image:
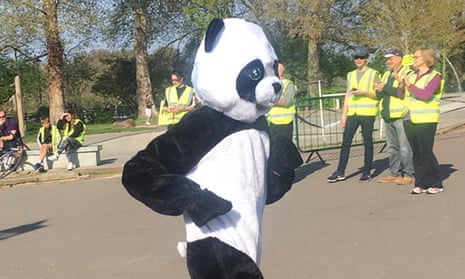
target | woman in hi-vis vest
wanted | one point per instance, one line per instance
(179, 100)
(424, 89)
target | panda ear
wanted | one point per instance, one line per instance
(214, 30)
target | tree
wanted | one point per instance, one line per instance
(36, 29)
(401, 24)
(307, 20)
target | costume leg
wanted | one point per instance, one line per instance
(210, 258)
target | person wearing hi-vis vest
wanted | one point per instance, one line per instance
(360, 109)
(179, 100)
(73, 131)
(393, 109)
(48, 139)
(281, 116)
(424, 89)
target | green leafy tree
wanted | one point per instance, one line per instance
(43, 28)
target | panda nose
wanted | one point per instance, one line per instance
(276, 87)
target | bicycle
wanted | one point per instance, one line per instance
(10, 160)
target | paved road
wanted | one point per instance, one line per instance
(93, 229)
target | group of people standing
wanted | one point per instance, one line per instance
(408, 100)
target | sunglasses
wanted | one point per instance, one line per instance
(2, 116)
(175, 80)
(359, 57)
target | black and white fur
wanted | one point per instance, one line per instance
(218, 166)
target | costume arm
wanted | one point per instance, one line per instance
(156, 175)
(284, 159)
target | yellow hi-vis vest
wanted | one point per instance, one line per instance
(397, 106)
(54, 133)
(171, 95)
(279, 115)
(424, 111)
(68, 130)
(362, 105)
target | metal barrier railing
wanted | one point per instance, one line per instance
(317, 125)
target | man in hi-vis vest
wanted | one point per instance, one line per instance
(281, 116)
(393, 110)
(179, 99)
(360, 109)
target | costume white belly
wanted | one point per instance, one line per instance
(235, 169)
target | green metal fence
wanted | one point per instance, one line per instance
(317, 125)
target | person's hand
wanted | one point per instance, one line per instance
(406, 81)
(357, 92)
(343, 121)
(379, 85)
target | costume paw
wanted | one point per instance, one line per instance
(207, 206)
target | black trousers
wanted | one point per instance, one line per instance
(421, 139)
(352, 124)
(285, 130)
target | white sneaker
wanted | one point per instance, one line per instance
(54, 157)
(70, 166)
(147, 123)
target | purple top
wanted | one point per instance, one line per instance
(419, 93)
(425, 94)
(11, 125)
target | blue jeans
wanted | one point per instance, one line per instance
(352, 124)
(400, 152)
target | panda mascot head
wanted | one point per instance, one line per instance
(235, 70)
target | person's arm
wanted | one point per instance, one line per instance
(39, 139)
(77, 130)
(61, 124)
(427, 93)
(345, 108)
(287, 98)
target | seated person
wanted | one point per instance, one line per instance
(73, 130)
(9, 133)
(48, 139)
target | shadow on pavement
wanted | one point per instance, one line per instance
(303, 171)
(11, 232)
(446, 170)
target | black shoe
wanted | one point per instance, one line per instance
(37, 166)
(365, 177)
(335, 177)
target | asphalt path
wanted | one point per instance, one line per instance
(94, 229)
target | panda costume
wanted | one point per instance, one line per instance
(218, 166)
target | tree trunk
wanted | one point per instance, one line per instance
(144, 85)
(313, 66)
(55, 64)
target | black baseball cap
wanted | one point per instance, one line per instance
(393, 52)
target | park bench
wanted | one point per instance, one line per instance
(86, 156)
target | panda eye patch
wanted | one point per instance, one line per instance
(248, 78)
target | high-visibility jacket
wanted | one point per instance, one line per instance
(281, 115)
(424, 111)
(362, 105)
(54, 133)
(171, 96)
(68, 130)
(397, 106)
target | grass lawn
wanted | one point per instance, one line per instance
(32, 128)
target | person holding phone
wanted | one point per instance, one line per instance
(360, 109)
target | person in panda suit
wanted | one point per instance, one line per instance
(218, 167)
